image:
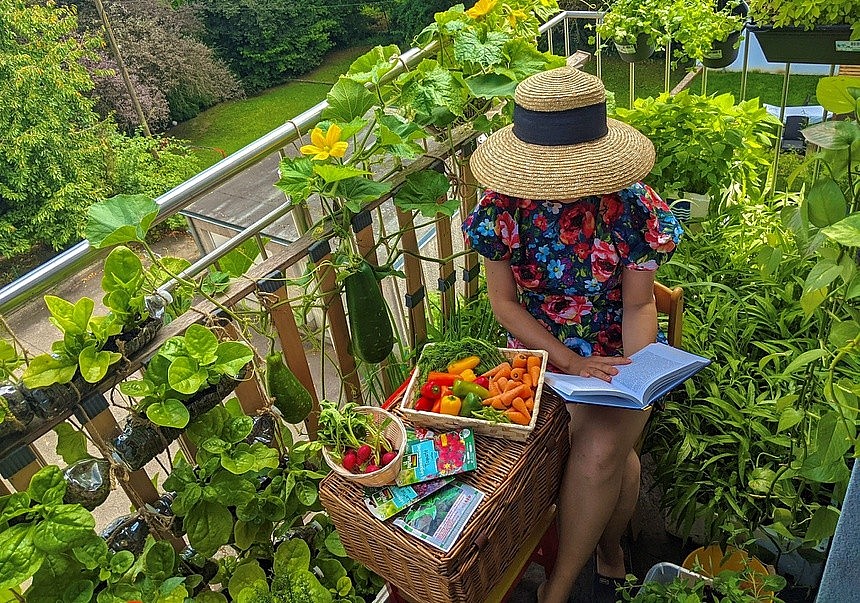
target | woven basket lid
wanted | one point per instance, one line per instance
(612, 162)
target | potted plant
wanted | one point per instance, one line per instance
(15, 413)
(807, 31)
(705, 144)
(636, 27)
(709, 31)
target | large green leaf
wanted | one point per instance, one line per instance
(834, 93)
(63, 315)
(237, 262)
(47, 486)
(169, 413)
(186, 376)
(825, 202)
(823, 524)
(845, 232)
(45, 370)
(426, 191)
(209, 526)
(71, 443)
(159, 561)
(431, 88)
(291, 556)
(491, 85)
(348, 100)
(246, 575)
(122, 270)
(335, 173)
(62, 527)
(358, 191)
(19, 557)
(95, 364)
(230, 357)
(485, 49)
(373, 65)
(120, 219)
(229, 489)
(296, 178)
(821, 275)
(201, 344)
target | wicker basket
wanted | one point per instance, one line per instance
(520, 482)
(396, 434)
(440, 422)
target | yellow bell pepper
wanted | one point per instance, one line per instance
(458, 366)
(450, 405)
(468, 375)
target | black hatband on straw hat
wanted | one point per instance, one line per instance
(559, 128)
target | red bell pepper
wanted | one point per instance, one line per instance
(431, 390)
(425, 404)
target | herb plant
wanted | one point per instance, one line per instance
(627, 19)
(805, 14)
(705, 144)
(697, 24)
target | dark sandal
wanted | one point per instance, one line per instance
(605, 588)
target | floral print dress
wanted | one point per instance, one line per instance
(568, 259)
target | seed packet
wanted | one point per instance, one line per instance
(438, 456)
(440, 519)
(388, 501)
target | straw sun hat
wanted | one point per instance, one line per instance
(561, 144)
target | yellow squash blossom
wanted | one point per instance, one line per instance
(481, 8)
(515, 16)
(324, 146)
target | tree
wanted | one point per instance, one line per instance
(52, 142)
(409, 17)
(267, 43)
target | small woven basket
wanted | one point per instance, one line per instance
(396, 434)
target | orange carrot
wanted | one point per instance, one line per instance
(518, 373)
(534, 361)
(518, 417)
(494, 388)
(502, 382)
(501, 370)
(520, 361)
(511, 385)
(530, 403)
(497, 403)
(520, 405)
(534, 373)
(527, 380)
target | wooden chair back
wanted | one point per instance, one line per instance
(671, 303)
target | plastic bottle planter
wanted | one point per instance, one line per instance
(129, 532)
(141, 440)
(633, 53)
(18, 412)
(52, 401)
(826, 44)
(87, 482)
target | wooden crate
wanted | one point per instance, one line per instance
(440, 422)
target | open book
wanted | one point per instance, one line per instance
(655, 369)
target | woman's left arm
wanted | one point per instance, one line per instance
(639, 320)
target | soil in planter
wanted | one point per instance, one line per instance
(87, 483)
(129, 344)
(18, 412)
(141, 440)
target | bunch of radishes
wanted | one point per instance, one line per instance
(354, 439)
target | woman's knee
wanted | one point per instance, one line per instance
(599, 460)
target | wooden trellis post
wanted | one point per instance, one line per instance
(468, 200)
(414, 279)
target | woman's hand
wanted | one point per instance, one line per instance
(602, 367)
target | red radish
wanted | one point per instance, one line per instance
(371, 468)
(363, 453)
(350, 460)
(388, 457)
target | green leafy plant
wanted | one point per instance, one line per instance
(123, 283)
(705, 144)
(697, 24)
(803, 13)
(182, 367)
(626, 20)
(726, 587)
(84, 336)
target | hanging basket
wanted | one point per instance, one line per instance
(633, 53)
(723, 53)
(18, 412)
(824, 45)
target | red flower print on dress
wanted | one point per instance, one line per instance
(582, 250)
(609, 340)
(611, 209)
(604, 260)
(659, 241)
(527, 275)
(566, 310)
(509, 231)
(653, 200)
(540, 222)
(578, 219)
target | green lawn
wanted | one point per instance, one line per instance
(229, 126)
(649, 82)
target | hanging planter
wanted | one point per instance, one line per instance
(825, 44)
(636, 52)
(723, 53)
(18, 413)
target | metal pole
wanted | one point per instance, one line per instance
(747, 42)
(599, 54)
(783, 101)
(632, 74)
(549, 40)
(704, 80)
(566, 37)
(667, 76)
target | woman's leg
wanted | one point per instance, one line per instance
(610, 555)
(601, 440)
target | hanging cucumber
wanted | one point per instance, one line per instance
(369, 325)
(290, 396)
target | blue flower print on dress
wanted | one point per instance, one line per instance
(568, 259)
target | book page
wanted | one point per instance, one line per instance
(655, 366)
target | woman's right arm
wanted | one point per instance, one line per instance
(502, 291)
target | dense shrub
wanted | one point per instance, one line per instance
(266, 45)
(409, 17)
